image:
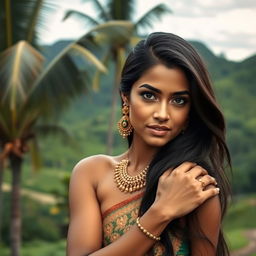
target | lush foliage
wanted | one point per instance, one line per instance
(39, 221)
(32, 92)
(40, 248)
(234, 83)
(240, 217)
(236, 239)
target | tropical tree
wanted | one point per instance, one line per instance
(1, 194)
(115, 52)
(32, 95)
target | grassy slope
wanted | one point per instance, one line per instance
(240, 217)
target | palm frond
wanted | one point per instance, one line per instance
(21, 128)
(114, 32)
(36, 160)
(27, 118)
(81, 16)
(121, 10)
(90, 57)
(97, 75)
(40, 17)
(4, 129)
(54, 89)
(19, 67)
(121, 57)
(152, 15)
(8, 22)
(45, 130)
(62, 80)
(24, 20)
(3, 26)
(64, 77)
(34, 20)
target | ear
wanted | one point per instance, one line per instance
(125, 99)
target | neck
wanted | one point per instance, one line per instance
(140, 155)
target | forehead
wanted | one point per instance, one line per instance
(164, 78)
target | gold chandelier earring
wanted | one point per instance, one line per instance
(124, 125)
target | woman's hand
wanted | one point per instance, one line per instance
(183, 189)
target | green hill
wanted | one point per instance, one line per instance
(235, 87)
(219, 66)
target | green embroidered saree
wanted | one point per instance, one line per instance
(119, 218)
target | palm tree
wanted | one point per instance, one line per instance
(117, 10)
(1, 194)
(31, 94)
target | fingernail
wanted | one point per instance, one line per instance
(218, 190)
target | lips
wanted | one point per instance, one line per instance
(158, 130)
(159, 127)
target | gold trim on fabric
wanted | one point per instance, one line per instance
(118, 219)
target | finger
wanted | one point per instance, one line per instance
(210, 192)
(197, 171)
(166, 174)
(185, 167)
(207, 180)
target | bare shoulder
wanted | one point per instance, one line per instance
(93, 167)
(90, 162)
(85, 178)
(85, 228)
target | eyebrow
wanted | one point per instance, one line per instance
(150, 87)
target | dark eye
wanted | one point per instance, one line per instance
(179, 101)
(148, 96)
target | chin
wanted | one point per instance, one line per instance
(157, 142)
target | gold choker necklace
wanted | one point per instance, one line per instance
(127, 183)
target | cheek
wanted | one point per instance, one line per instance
(139, 112)
(181, 118)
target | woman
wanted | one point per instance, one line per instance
(160, 197)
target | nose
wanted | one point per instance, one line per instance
(161, 113)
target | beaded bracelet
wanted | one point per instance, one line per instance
(148, 234)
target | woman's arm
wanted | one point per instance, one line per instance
(178, 193)
(85, 229)
(209, 219)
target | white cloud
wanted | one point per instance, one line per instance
(224, 25)
(70, 28)
(191, 8)
(231, 31)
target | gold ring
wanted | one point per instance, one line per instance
(203, 184)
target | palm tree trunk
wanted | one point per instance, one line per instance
(15, 228)
(110, 135)
(1, 195)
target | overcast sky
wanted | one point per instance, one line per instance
(225, 26)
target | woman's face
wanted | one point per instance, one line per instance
(159, 105)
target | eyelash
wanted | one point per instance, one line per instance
(184, 99)
(147, 93)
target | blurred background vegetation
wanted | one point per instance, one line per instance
(71, 73)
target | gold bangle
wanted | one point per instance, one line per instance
(148, 234)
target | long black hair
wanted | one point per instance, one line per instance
(204, 139)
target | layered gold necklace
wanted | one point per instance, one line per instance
(127, 183)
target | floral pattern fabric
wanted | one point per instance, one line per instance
(121, 217)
